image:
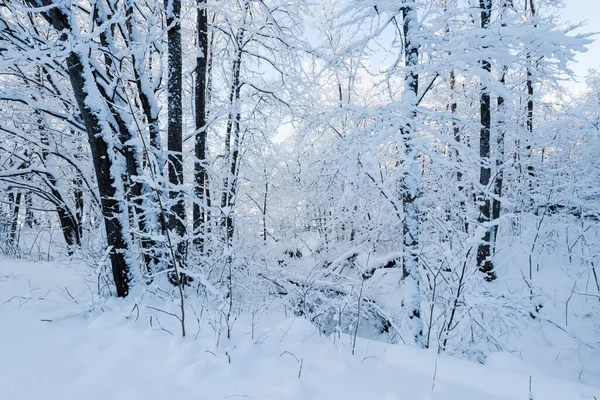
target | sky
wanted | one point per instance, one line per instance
(577, 11)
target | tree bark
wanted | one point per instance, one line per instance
(177, 217)
(264, 208)
(29, 215)
(410, 186)
(499, 177)
(113, 211)
(484, 262)
(530, 109)
(68, 222)
(457, 139)
(200, 209)
(14, 224)
(232, 138)
(139, 193)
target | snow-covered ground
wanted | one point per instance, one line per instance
(57, 341)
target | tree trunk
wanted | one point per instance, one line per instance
(14, 224)
(498, 180)
(232, 138)
(499, 177)
(200, 209)
(484, 261)
(177, 215)
(68, 222)
(457, 139)
(84, 87)
(79, 205)
(530, 108)
(264, 208)
(140, 193)
(410, 187)
(29, 216)
(144, 89)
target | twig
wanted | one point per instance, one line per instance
(588, 294)
(163, 311)
(357, 315)
(71, 296)
(530, 392)
(67, 317)
(572, 335)
(300, 361)
(135, 307)
(286, 332)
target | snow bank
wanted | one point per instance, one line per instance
(57, 342)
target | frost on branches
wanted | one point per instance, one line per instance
(405, 171)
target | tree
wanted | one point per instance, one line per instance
(410, 178)
(92, 105)
(202, 200)
(177, 216)
(500, 144)
(484, 254)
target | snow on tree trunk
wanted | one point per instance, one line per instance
(410, 187)
(232, 135)
(530, 108)
(15, 212)
(200, 209)
(177, 216)
(100, 140)
(484, 261)
(499, 176)
(500, 134)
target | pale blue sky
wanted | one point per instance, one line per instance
(582, 10)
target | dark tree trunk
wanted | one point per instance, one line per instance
(176, 222)
(78, 198)
(79, 205)
(264, 208)
(69, 225)
(14, 224)
(113, 212)
(29, 216)
(484, 261)
(200, 210)
(68, 222)
(530, 108)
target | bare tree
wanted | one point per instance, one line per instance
(202, 197)
(232, 135)
(484, 261)
(410, 185)
(177, 217)
(530, 108)
(500, 135)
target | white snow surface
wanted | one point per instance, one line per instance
(57, 341)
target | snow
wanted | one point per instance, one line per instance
(61, 341)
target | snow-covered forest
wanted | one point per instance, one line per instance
(407, 176)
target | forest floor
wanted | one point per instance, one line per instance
(58, 341)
